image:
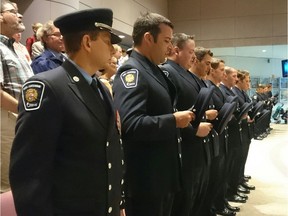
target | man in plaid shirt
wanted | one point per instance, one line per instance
(13, 73)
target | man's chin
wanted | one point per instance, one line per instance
(21, 28)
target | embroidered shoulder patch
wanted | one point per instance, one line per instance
(32, 93)
(130, 78)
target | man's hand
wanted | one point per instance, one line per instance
(183, 118)
(204, 129)
(211, 114)
(122, 212)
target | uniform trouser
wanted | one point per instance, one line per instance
(190, 199)
(8, 122)
(149, 205)
(199, 192)
(235, 162)
(215, 196)
(245, 148)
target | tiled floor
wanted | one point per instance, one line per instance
(268, 165)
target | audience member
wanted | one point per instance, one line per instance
(118, 53)
(109, 71)
(37, 47)
(146, 101)
(33, 38)
(52, 56)
(20, 49)
(66, 157)
(14, 72)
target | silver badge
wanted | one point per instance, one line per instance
(76, 79)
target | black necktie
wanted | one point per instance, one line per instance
(94, 85)
(97, 90)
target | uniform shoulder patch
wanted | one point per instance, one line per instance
(130, 78)
(32, 93)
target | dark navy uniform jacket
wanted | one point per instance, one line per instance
(66, 157)
(145, 99)
(219, 101)
(247, 132)
(234, 128)
(193, 148)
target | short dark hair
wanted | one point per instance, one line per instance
(179, 39)
(215, 63)
(72, 41)
(148, 22)
(200, 52)
(242, 74)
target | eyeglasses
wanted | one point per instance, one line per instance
(13, 11)
(56, 34)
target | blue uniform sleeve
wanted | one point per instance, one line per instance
(34, 148)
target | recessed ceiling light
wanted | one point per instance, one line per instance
(121, 36)
(264, 50)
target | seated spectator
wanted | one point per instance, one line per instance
(52, 56)
(20, 49)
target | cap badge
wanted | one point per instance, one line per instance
(103, 26)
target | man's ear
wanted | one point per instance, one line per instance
(176, 50)
(148, 37)
(86, 42)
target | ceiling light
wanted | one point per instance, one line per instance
(121, 36)
(264, 50)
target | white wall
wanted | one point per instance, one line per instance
(125, 11)
(256, 59)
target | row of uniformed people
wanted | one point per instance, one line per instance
(264, 96)
(212, 164)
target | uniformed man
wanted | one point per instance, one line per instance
(145, 99)
(234, 141)
(199, 69)
(194, 164)
(261, 121)
(66, 156)
(218, 180)
(242, 85)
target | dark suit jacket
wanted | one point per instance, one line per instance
(247, 132)
(193, 147)
(219, 100)
(148, 128)
(66, 156)
(234, 128)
